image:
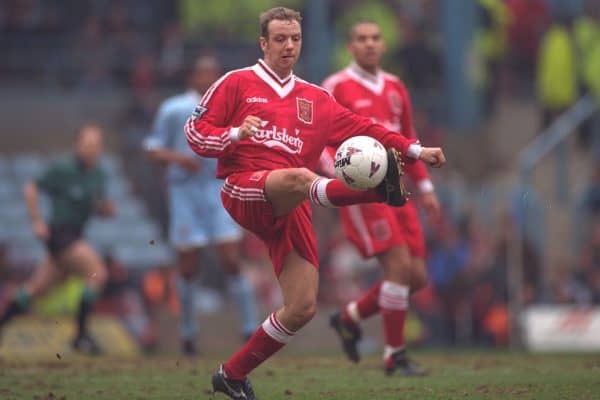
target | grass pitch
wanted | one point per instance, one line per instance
(454, 375)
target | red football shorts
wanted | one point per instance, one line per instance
(243, 196)
(375, 228)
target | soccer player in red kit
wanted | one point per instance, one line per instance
(268, 128)
(392, 235)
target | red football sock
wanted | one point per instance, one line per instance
(363, 308)
(266, 341)
(393, 300)
(368, 304)
(333, 193)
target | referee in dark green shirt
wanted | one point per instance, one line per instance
(76, 188)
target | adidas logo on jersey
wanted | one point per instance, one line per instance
(256, 100)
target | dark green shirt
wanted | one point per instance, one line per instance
(74, 191)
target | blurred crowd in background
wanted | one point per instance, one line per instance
(538, 52)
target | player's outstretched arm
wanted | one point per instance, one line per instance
(347, 124)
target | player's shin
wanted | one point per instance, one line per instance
(393, 300)
(269, 338)
(333, 193)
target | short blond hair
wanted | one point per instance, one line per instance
(279, 13)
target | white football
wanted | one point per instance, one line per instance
(361, 162)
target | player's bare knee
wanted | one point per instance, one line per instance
(304, 310)
(299, 180)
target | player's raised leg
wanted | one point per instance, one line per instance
(286, 188)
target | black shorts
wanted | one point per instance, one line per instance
(61, 237)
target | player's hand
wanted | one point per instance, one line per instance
(41, 230)
(190, 164)
(431, 204)
(433, 156)
(250, 126)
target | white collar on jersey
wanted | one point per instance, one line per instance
(374, 82)
(281, 86)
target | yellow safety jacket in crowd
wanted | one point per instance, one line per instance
(492, 39)
(587, 39)
(557, 69)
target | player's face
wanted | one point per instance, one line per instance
(203, 77)
(282, 47)
(89, 145)
(367, 46)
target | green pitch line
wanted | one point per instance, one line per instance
(454, 375)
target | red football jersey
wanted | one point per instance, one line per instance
(383, 98)
(299, 120)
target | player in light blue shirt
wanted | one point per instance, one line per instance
(197, 218)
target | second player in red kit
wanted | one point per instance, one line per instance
(393, 235)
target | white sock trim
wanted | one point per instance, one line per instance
(389, 350)
(352, 310)
(318, 192)
(276, 330)
(393, 296)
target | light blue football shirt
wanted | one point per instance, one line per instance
(168, 133)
